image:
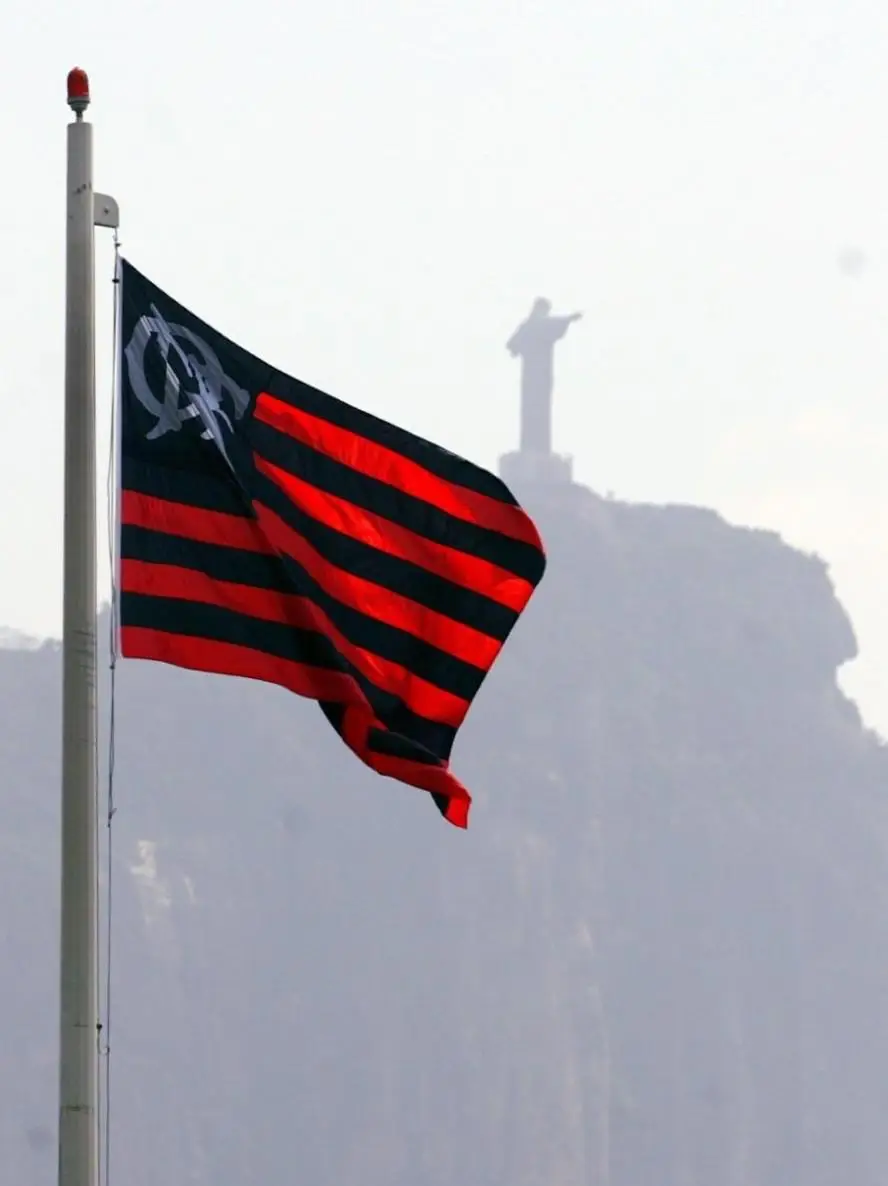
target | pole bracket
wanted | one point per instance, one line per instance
(105, 211)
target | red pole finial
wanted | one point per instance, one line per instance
(78, 91)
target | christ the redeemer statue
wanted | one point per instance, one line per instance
(534, 343)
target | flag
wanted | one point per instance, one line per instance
(271, 531)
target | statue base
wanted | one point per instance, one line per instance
(539, 469)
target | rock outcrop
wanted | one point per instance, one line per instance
(657, 958)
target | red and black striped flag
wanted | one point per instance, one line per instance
(269, 530)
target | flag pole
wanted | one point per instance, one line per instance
(78, 1005)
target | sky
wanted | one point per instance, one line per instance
(370, 197)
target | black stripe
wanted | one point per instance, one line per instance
(208, 490)
(439, 461)
(222, 564)
(395, 746)
(282, 575)
(333, 477)
(380, 741)
(441, 802)
(391, 572)
(198, 620)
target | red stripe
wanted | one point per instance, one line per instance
(168, 580)
(225, 658)
(450, 563)
(376, 461)
(206, 527)
(200, 654)
(271, 533)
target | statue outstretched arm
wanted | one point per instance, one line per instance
(514, 343)
(560, 325)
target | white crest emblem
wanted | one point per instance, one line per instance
(206, 371)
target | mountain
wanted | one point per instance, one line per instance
(657, 958)
(17, 641)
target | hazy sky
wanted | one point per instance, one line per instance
(370, 195)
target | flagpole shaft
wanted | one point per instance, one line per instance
(78, 1052)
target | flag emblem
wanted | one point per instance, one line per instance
(208, 382)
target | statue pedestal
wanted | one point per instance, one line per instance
(539, 469)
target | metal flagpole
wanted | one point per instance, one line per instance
(79, 1046)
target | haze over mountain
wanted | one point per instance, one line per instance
(657, 958)
(17, 640)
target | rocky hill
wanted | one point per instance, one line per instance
(659, 956)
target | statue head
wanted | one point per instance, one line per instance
(541, 307)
